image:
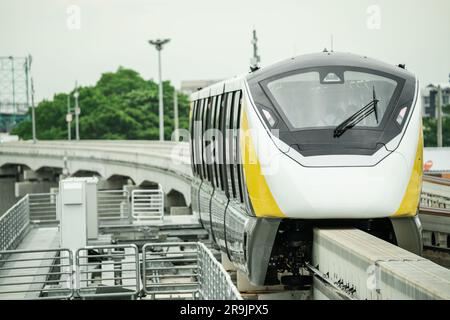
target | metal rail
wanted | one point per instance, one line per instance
(14, 224)
(113, 204)
(436, 180)
(36, 274)
(109, 271)
(185, 270)
(215, 282)
(171, 270)
(147, 204)
(431, 200)
(42, 207)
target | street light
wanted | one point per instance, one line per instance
(77, 113)
(159, 46)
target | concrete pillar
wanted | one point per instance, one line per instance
(24, 187)
(40, 176)
(180, 211)
(111, 184)
(7, 195)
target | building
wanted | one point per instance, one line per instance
(429, 97)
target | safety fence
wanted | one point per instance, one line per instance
(113, 204)
(147, 204)
(36, 274)
(142, 205)
(185, 270)
(431, 200)
(42, 207)
(14, 224)
(182, 270)
(109, 271)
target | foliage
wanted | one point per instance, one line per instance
(430, 132)
(121, 105)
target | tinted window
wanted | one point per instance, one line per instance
(316, 99)
(192, 137)
(229, 145)
(220, 143)
(236, 147)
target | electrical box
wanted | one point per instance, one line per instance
(78, 211)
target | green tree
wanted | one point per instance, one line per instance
(121, 105)
(430, 132)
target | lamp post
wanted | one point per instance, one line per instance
(77, 113)
(159, 46)
(33, 115)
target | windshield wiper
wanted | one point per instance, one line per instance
(358, 116)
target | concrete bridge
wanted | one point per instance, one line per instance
(29, 168)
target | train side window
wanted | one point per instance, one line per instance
(200, 138)
(207, 109)
(192, 136)
(223, 160)
(229, 144)
(216, 141)
(236, 154)
(211, 141)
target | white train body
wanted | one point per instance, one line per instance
(285, 167)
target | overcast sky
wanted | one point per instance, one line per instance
(211, 39)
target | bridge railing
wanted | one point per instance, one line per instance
(113, 204)
(111, 271)
(147, 205)
(143, 205)
(431, 200)
(14, 224)
(215, 282)
(185, 270)
(36, 274)
(42, 207)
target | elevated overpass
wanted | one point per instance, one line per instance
(166, 163)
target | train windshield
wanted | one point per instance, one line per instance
(321, 99)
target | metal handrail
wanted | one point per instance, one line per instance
(147, 204)
(164, 271)
(14, 224)
(113, 204)
(432, 200)
(27, 274)
(42, 207)
(91, 275)
(191, 272)
(215, 282)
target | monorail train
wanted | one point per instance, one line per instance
(327, 139)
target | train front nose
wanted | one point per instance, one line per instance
(345, 192)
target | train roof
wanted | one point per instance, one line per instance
(327, 59)
(319, 59)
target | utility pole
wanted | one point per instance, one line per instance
(13, 89)
(33, 116)
(439, 117)
(29, 82)
(69, 119)
(175, 114)
(254, 61)
(159, 46)
(77, 113)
